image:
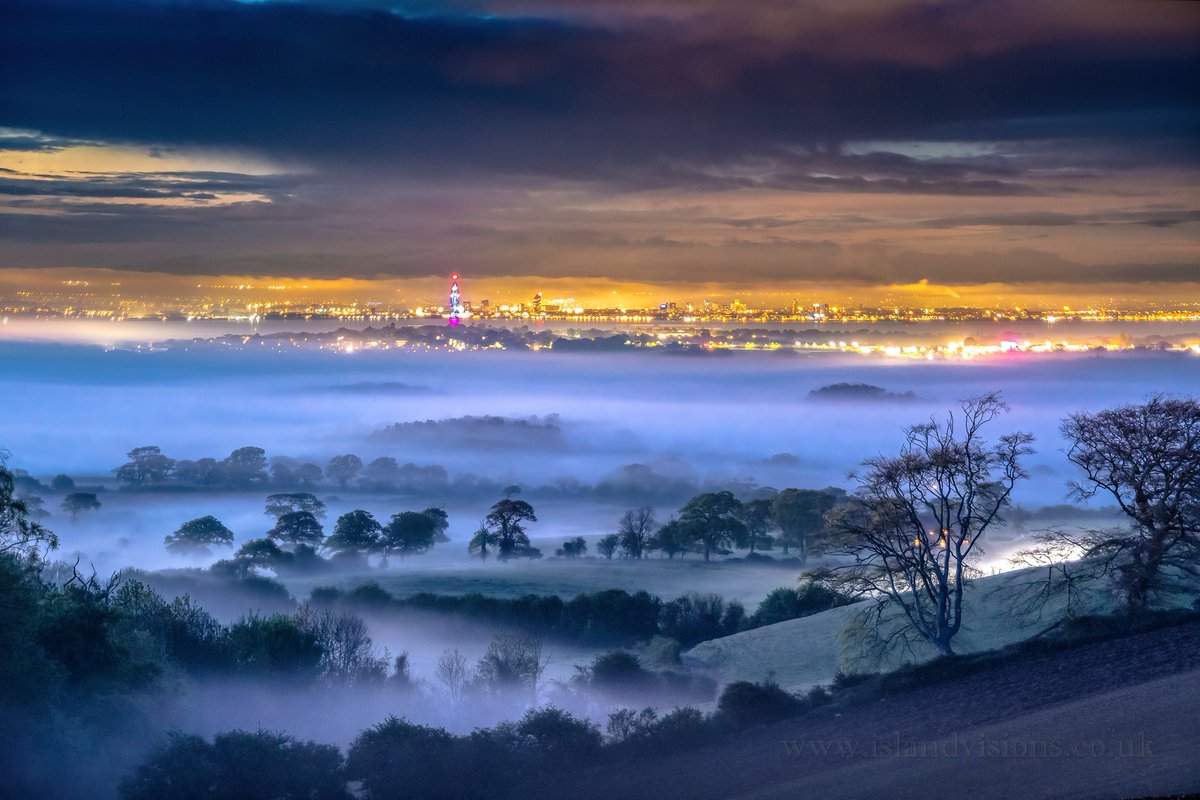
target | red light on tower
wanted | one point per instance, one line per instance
(454, 277)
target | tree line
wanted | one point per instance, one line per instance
(295, 542)
(248, 468)
(610, 616)
(716, 523)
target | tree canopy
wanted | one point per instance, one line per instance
(355, 532)
(195, 536)
(713, 520)
(298, 528)
(408, 533)
(505, 522)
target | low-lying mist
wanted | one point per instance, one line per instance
(584, 436)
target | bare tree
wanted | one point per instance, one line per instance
(1147, 457)
(348, 655)
(635, 528)
(453, 675)
(513, 662)
(918, 518)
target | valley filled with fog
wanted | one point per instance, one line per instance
(583, 436)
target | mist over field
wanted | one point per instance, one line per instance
(564, 427)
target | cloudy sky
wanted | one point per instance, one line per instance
(974, 150)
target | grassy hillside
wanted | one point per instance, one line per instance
(810, 651)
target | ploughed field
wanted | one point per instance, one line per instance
(1118, 718)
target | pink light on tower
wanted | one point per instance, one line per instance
(456, 306)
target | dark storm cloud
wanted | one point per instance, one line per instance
(557, 97)
(835, 141)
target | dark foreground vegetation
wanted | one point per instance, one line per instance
(91, 672)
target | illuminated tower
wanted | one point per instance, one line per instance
(456, 306)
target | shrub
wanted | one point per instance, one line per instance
(787, 603)
(560, 739)
(618, 671)
(399, 759)
(239, 765)
(626, 725)
(681, 728)
(743, 704)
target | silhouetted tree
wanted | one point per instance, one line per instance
(76, 503)
(504, 521)
(800, 515)
(1147, 458)
(356, 532)
(693, 617)
(298, 528)
(382, 474)
(348, 655)
(635, 528)
(441, 522)
(560, 740)
(608, 544)
(308, 475)
(146, 465)
(713, 519)
(20, 534)
(918, 518)
(408, 533)
(62, 483)
(673, 539)
(35, 505)
(398, 759)
(246, 466)
(260, 553)
(195, 536)
(786, 603)
(201, 472)
(513, 662)
(757, 519)
(344, 469)
(453, 675)
(481, 540)
(573, 548)
(287, 502)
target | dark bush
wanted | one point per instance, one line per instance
(618, 671)
(239, 765)
(399, 759)
(680, 729)
(743, 704)
(561, 740)
(787, 603)
(277, 646)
